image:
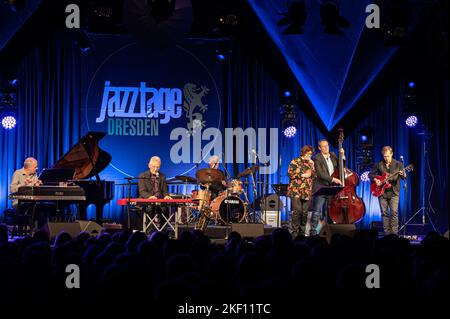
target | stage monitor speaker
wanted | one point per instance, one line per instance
(248, 230)
(329, 230)
(54, 229)
(90, 227)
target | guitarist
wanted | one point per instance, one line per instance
(390, 199)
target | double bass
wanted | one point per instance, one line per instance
(346, 207)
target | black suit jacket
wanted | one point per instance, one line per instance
(145, 185)
(323, 176)
(380, 168)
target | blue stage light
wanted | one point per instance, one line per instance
(9, 121)
(220, 57)
(412, 84)
(287, 93)
(364, 138)
(365, 177)
(411, 121)
(290, 131)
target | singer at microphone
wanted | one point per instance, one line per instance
(152, 185)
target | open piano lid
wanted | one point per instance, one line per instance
(85, 157)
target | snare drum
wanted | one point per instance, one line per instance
(235, 187)
(229, 209)
(203, 196)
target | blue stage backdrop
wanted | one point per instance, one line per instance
(152, 101)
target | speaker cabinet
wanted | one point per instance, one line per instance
(248, 230)
(54, 229)
(329, 230)
(272, 218)
(90, 227)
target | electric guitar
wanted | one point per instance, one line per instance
(376, 190)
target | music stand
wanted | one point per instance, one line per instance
(51, 176)
(328, 191)
(280, 189)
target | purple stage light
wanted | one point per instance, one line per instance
(290, 131)
(411, 121)
(365, 177)
(9, 122)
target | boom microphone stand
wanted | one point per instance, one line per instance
(424, 209)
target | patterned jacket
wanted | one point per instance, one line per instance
(300, 186)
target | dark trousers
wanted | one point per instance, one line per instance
(299, 217)
(389, 213)
(38, 213)
(319, 210)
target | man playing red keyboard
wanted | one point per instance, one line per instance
(153, 185)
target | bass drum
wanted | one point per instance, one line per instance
(229, 209)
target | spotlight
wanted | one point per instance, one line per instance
(412, 84)
(14, 82)
(294, 19)
(287, 93)
(411, 121)
(9, 121)
(365, 177)
(331, 19)
(364, 138)
(290, 131)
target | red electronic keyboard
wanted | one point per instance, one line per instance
(146, 201)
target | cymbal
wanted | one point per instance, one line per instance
(209, 175)
(186, 179)
(248, 171)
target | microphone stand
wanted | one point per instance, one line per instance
(129, 179)
(405, 189)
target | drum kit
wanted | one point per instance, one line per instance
(230, 205)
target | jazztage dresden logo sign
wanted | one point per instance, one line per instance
(138, 111)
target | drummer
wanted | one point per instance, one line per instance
(216, 187)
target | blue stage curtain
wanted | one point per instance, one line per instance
(48, 108)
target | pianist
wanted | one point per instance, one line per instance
(153, 185)
(27, 176)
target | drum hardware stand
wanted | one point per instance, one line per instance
(228, 204)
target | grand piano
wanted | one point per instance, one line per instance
(88, 160)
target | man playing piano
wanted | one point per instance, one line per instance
(27, 176)
(153, 185)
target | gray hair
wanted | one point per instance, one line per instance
(154, 159)
(29, 161)
(214, 159)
